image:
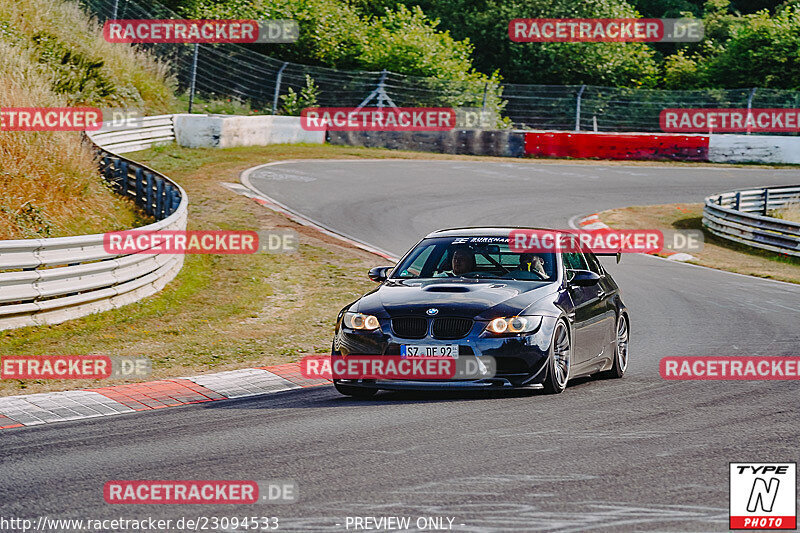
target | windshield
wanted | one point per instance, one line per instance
(474, 257)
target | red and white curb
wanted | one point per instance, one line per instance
(43, 408)
(593, 221)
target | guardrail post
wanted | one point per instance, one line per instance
(148, 196)
(738, 200)
(123, 178)
(766, 202)
(159, 198)
(121, 174)
(138, 185)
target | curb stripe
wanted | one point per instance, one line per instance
(43, 408)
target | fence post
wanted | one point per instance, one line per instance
(116, 5)
(578, 109)
(738, 200)
(277, 88)
(485, 89)
(194, 75)
(766, 201)
(749, 107)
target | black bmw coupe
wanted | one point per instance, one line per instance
(545, 318)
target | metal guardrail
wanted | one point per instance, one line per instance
(143, 133)
(47, 281)
(741, 216)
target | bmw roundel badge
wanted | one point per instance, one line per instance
(432, 311)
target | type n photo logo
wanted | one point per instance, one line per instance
(763, 496)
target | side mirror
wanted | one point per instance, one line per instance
(379, 274)
(584, 278)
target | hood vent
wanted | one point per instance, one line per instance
(446, 288)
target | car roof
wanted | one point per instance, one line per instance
(479, 231)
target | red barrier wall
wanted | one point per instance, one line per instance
(617, 145)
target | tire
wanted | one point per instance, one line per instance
(621, 358)
(355, 392)
(559, 361)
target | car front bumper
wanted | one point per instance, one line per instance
(520, 360)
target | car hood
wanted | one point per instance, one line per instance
(481, 299)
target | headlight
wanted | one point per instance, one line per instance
(516, 324)
(359, 321)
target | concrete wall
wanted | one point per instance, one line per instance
(223, 131)
(473, 142)
(754, 148)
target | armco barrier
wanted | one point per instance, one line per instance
(741, 216)
(47, 281)
(142, 133)
(473, 142)
(617, 145)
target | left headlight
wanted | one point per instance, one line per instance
(514, 325)
(360, 321)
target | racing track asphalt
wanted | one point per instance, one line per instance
(639, 453)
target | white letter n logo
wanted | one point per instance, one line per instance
(763, 494)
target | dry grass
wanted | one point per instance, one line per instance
(50, 26)
(790, 212)
(717, 253)
(49, 183)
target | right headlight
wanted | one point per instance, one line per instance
(514, 325)
(360, 321)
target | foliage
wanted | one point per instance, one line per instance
(294, 103)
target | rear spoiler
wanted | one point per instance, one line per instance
(618, 254)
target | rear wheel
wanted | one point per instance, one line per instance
(356, 392)
(559, 361)
(620, 350)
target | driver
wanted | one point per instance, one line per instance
(532, 263)
(463, 262)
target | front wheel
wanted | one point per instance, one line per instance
(355, 392)
(620, 349)
(560, 359)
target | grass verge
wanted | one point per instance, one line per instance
(716, 253)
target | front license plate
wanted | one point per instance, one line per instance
(429, 350)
